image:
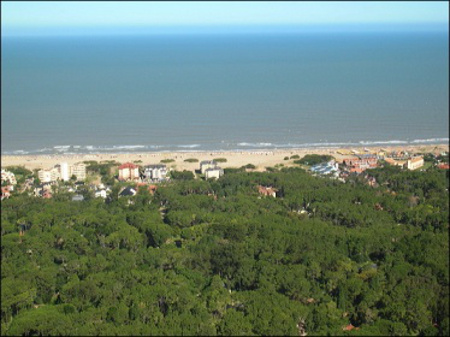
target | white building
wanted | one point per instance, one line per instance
(46, 176)
(213, 172)
(64, 172)
(100, 194)
(155, 172)
(414, 163)
(78, 170)
(207, 164)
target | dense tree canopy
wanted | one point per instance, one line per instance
(216, 258)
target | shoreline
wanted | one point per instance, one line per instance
(261, 158)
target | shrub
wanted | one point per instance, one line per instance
(249, 166)
(165, 161)
(295, 156)
(313, 159)
(220, 160)
(191, 160)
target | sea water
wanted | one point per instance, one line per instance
(86, 94)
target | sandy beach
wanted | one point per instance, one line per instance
(260, 158)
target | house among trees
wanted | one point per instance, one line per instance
(6, 191)
(207, 164)
(414, 163)
(267, 191)
(8, 177)
(213, 172)
(128, 192)
(128, 171)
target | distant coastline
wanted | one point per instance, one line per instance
(221, 147)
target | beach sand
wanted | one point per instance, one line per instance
(260, 158)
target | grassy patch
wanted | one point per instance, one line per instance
(220, 160)
(166, 161)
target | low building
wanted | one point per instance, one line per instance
(414, 163)
(6, 192)
(267, 191)
(128, 171)
(360, 165)
(207, 164)
(100, 194)
(326, 168)
(155, 173)
(47, 176)
(213, 172)
(394, 162)
(128, 192)
(77, 197)
(9, 177)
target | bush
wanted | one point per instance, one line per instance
(249, 166)
(286, 158)
(313, 159)
(220, 160)
(295, 156)
(165, 161)
(191, 160)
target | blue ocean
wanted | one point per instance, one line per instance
(136, 93)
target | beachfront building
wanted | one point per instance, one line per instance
(64, 171)
(414, 163)
(213, 172)
(78, 170)
(8, 177)
(128, 171)
(47, 176)
(155, 173)
(360, 165)
(207, 164)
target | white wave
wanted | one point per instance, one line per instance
(20, 152)
(190, 146)
(45, 149)
(61, 147)
(128, 146)
(383, 142)
(430, 140)
(254, 144)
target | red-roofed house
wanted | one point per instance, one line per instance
(128, 171)
(349, 327)
(6, 192)
(444, 166)
(267, 191)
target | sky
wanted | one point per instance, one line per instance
(23, 17)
